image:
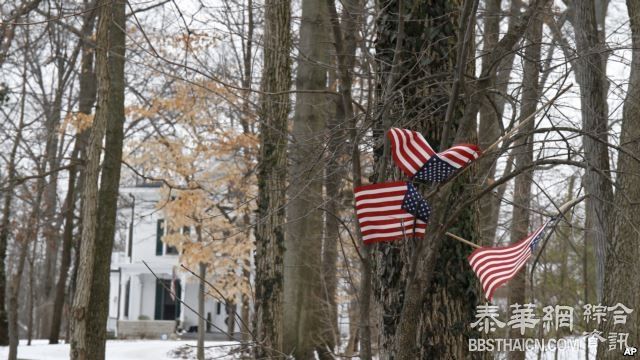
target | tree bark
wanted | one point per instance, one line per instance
(590, 75)
(80, 311)
(230, 308)
(272, 170)
(523, 148)
(622, 269)
(109, 185)
(303, 240)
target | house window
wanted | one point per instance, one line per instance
(161, 248)
(171, 250)
(218, 308)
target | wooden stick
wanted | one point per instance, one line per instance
(463, 240)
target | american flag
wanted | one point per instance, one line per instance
(409, 149)
(390, 211)
(494, 266)
(440, 167)
(416, 158)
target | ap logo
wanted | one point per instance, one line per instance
(630, 351)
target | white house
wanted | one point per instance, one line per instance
(141, 303)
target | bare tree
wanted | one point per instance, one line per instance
(303, 236)
(272, 170)
(8, 26)
(109, 184)
(591, 76)
(87, 97)
(622, 270)
(523, 149)
(21, 240)
(86, 265)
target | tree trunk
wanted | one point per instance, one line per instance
(202, 273)
(13, 302)
(230, 307)
(523, 159)
(5, 229)
(109, 185)
(50, 215)
(303, 240)
(352, 342)
(24, 237)
(417, 323)
(87, 94)
(344, 32)
(61, 286)
(590, 75)
(345, 43)
(622, 269)
(81, 301)
(272, 170)
(334, 173)
(32, 295)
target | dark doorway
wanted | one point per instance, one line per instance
(167, 307)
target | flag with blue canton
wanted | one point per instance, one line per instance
(442, 165)
(495, 266)
(414, 204)
(543, 232)
(386, 212)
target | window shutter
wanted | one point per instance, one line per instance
(159, 235)
(127, 292)
(159, 300)
(178, 292)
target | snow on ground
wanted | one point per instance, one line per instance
(127, 350)
(185, 350)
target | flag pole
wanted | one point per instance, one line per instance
(456, 237)
(562, 209)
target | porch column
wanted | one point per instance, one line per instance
(135, 300)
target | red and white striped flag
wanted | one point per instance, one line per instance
(494, 266)
(390, 211)
(409, 150)
(415, 157)
(460, 155)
